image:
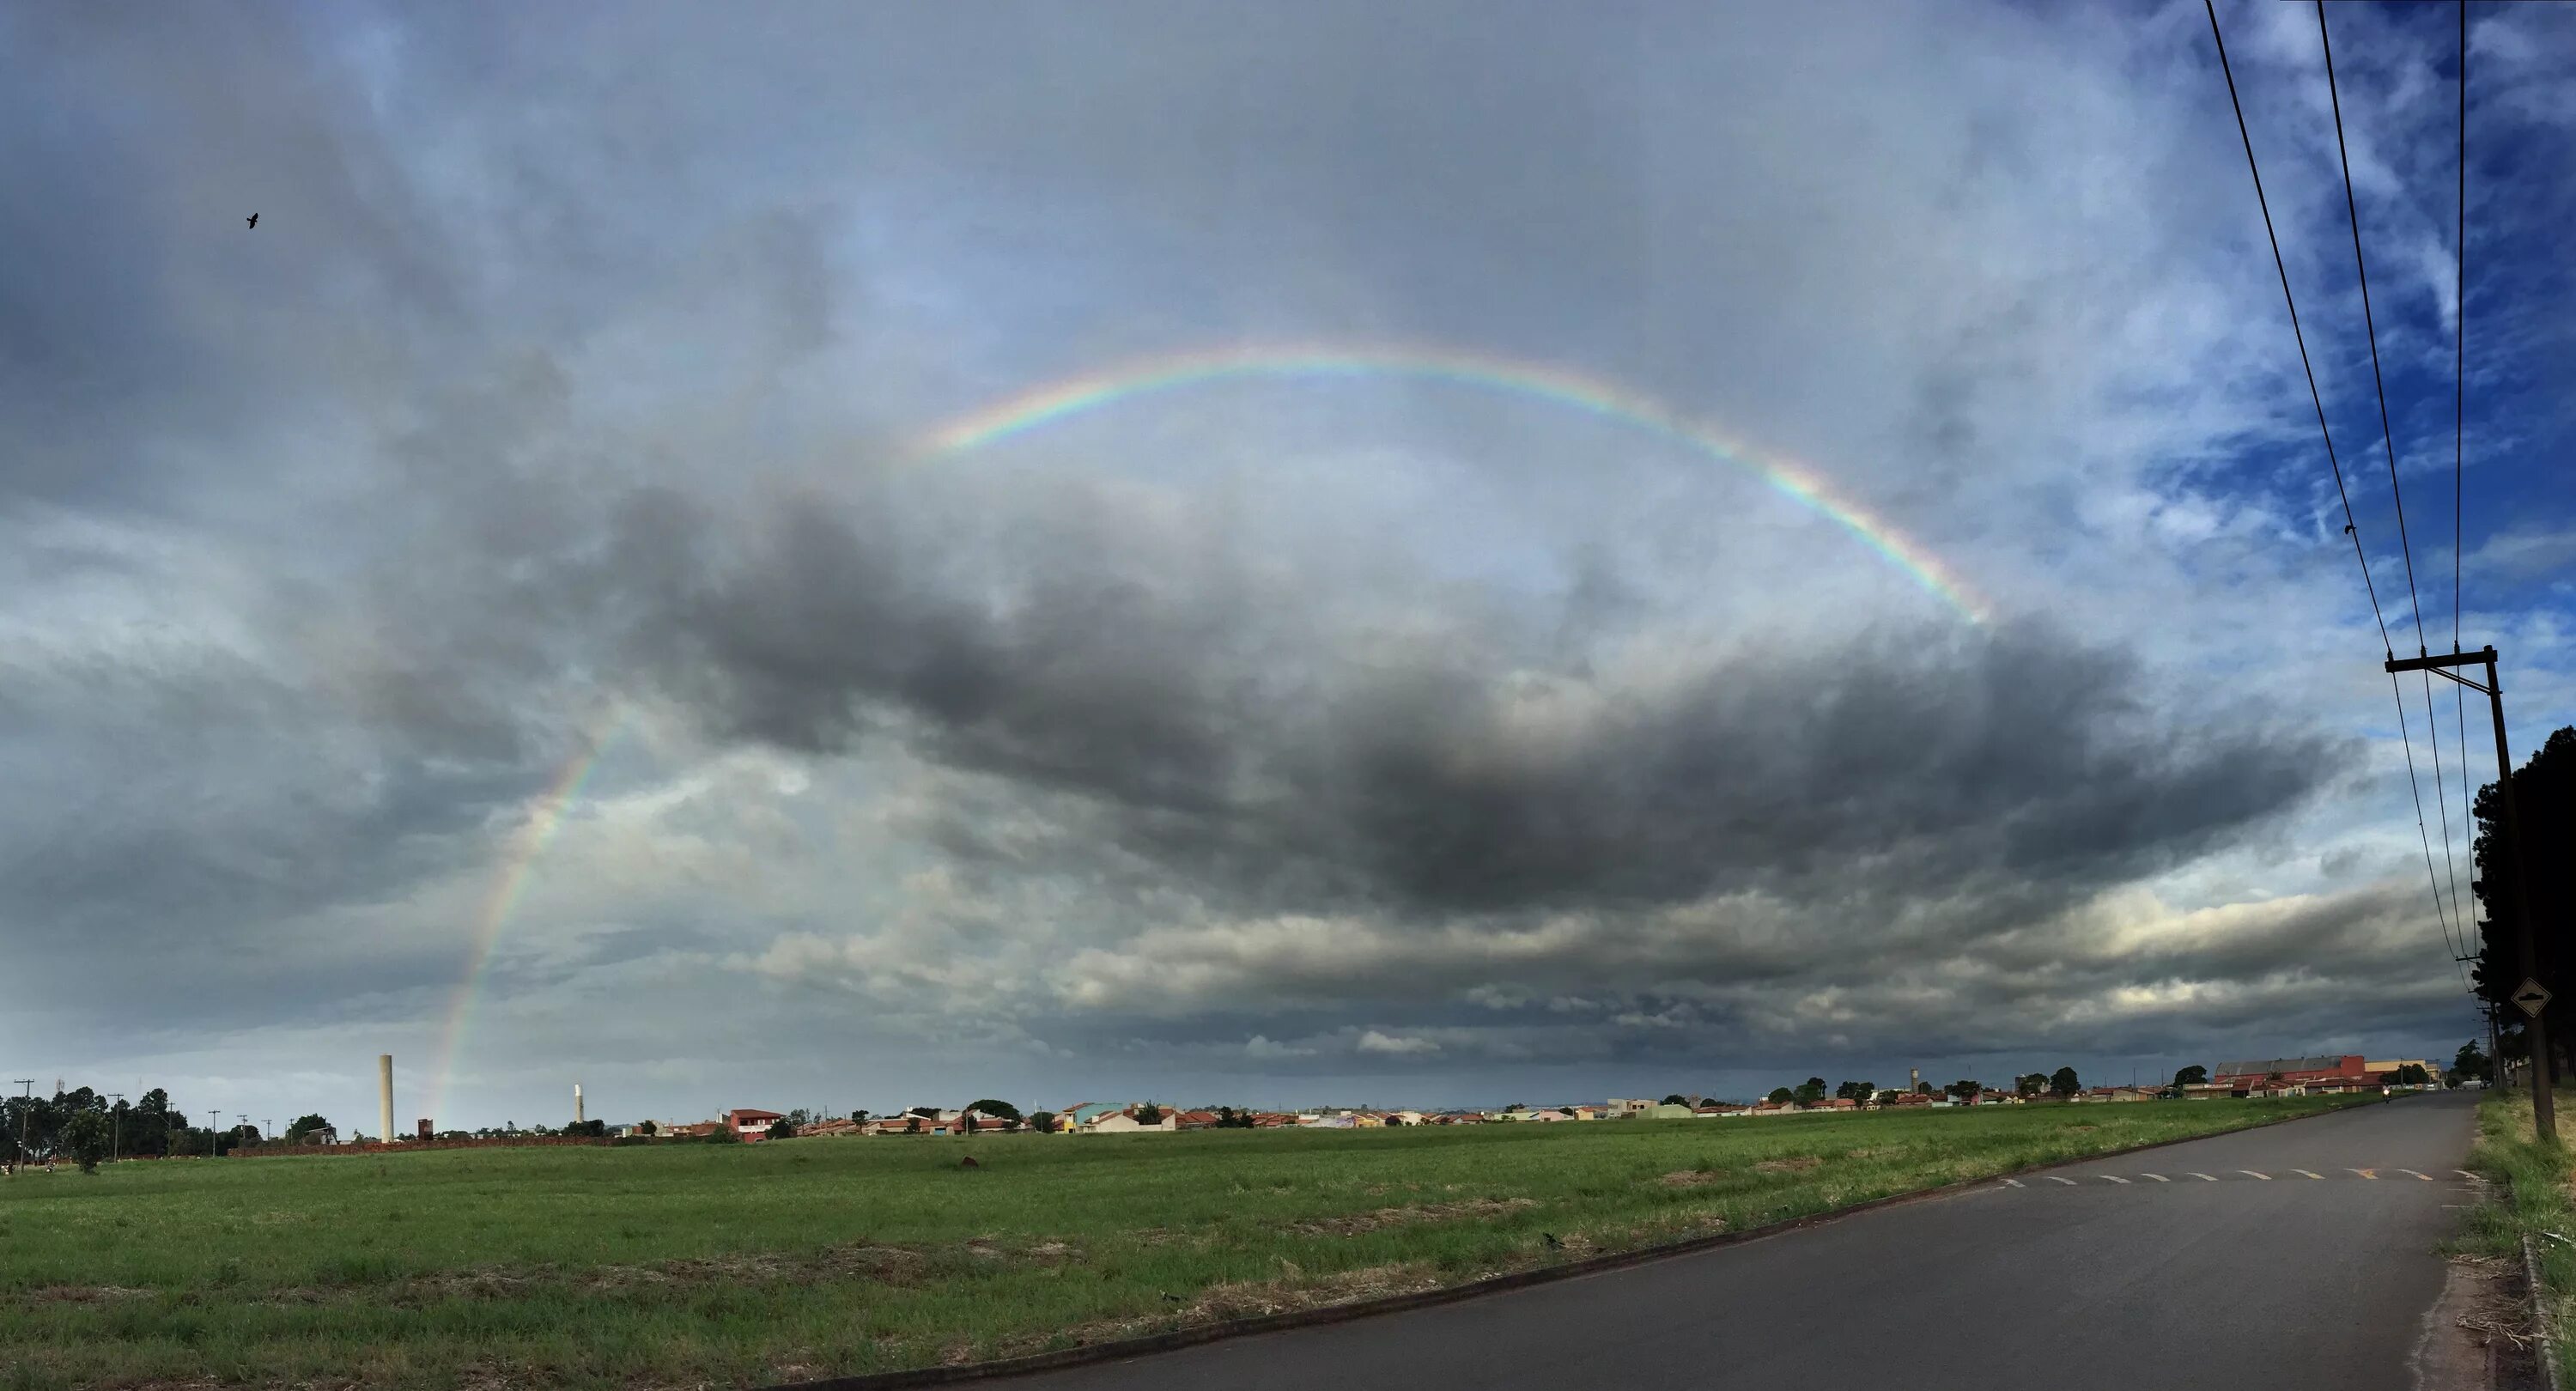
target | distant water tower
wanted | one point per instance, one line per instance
(578, 1115)
(385, 1096)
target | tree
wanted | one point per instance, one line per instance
(782, 1129)
(2192, 1076)
(723, 1135)
(2031, 1085)
(1149, 1114)
(1888, 1097)
(1811, 1091)
(2063, 1082)
(2412, 1075)
(2471, 1064)
(1676, 1099)
(1780, 1096)
(1965, 1088)
(305, 1128)
(1043, 1122)
(860, 1114)
(84, 1137)
(1856, 1091)
(648, 1128)
(1000, 1110)
(912, 1125)
(2545, 796)
(969, 1120)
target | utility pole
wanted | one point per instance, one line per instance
(115, 1124)
(2544, 1111)
(26, 1104)
(214, 1121)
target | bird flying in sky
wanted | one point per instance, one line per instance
(254, 219)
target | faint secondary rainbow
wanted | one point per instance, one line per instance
(527, 845)
(1798, 481)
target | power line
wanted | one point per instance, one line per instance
(2351, 528)
(2405, 548)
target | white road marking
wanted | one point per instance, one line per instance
(2303, 1171)
(2013, 1182)
(2267, 1178)
(2469, 1176)
(2367, 1173)
(2428, 1178)
(2115, 1178)
(2052, 1178)
(2205, 1178)
(2159, 1178)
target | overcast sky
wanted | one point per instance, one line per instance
(1278, 738)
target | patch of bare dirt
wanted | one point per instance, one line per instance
(1481, 1208)
(1797, 1164)
(1692, 1178)
(2477, 1336)
(85, 1294)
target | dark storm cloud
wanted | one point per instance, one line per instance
(1263, 760)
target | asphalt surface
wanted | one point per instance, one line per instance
(2192, 1272)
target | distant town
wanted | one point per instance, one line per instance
(82, 1124)
(2264, 1077)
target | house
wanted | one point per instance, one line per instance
(1619, 1107)
(1196, 1120)
(749, 1124)
(1123, 1120)
(1664, 1112)
(1404, 1118)
(688, 1130)
(2290, 1072)
(1273, 1120)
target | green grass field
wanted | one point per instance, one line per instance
(687, 1265)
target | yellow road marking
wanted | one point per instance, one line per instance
(2367, 1173)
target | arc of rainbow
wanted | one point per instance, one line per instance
(1060, 400)
(526, 845)
(1800, 482)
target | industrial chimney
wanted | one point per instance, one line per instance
(385, 1096)
(577, 1116)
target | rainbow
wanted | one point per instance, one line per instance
(1061, 400)
(1800, 482)
(527, 844)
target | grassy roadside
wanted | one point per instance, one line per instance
(2539, 1201)
(699, 1265)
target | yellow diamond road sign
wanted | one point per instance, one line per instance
(2531, 998)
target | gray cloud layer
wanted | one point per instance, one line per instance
(564, 396)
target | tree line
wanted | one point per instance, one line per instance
(84, 1127)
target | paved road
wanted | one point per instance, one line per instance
(2295, 1256)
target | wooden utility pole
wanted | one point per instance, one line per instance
(2544, 1114)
